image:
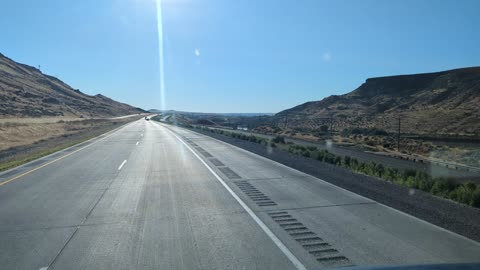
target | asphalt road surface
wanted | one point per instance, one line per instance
(153, 196)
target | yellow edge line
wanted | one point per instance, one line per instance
(62, 157)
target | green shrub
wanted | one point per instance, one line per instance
(470, 186)
(422, 175)
(425, 185)
(463, 194)
(338, 160)
(353, 164)
(476, 198)
(279, 139)
(306, 153)
(320, 155)
(252, 138)
(409, 172)
(442, 187)
(346, 161)
(329, 158)
(272, 144)
(411, 182)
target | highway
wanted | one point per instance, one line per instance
(154, 196)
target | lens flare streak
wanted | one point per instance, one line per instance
(160, 54)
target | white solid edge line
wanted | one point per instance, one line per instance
(346, 190)
(295, 261)
(121, 165)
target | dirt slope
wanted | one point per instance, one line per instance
(26, 92)
(440, 103)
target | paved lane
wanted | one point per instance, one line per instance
(162, 210)
(140, 198)
(358, 229)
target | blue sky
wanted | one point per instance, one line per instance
(237, 55)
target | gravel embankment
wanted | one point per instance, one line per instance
(447, 214)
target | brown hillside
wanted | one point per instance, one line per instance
(440, 103)
(26, 92)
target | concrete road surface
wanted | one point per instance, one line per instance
(153, 196)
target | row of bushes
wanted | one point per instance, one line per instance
(250, 138)
(363, 131)
(466, 193)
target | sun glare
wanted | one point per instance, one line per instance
(160, 54)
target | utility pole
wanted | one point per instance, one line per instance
(398, 134)
(286, 120)
(331, 126)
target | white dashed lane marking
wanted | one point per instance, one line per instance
(121, 165)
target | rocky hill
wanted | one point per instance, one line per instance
(440, 103)
(26, 92)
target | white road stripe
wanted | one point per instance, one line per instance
(121, 165)
(137, 143)
(295, 261)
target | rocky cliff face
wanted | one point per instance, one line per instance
(437, 103)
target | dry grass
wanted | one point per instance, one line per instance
(28, 131)
(37, 120)
(23, 142)
(18, 134)
(38, 154)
